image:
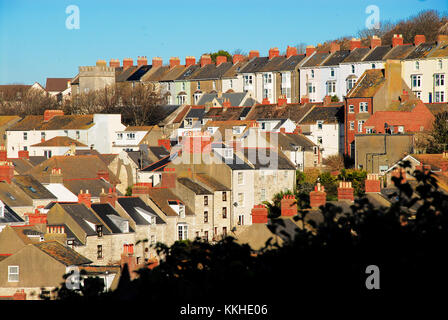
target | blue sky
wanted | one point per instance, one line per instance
(35, 43)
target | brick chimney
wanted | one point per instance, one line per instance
(190, 61)
(127, 62)
(318, 197)
(310, 50)
(197, 143)
(174, 61)
(237, 58)
(220, 59)
(375, 41)
(253, 54)
(354, 43)
(128, 258)
(404, 96)
(288, 206)
(442, 38)
(49, 114)
(304, 100)
(259, 214)
(142, 61)
(334, 46)
(56, 233)
(157, 62)
(114, 63)
(168, 179)
(165, 143)
(6, 171)
(346, 191)
(291, 51)
(265, 101)
(37, 217)
(400, 173)
(3, 153)
(273, 52)
(102, 174)
(327, 101)
(282, 100)
(85, 198)
(226, 104)
(397, 40)
(56, 176)
(101, 63)
(110, 197)
(372, 183)
(205, 60)
(24, 154)
(19, 295)
(419, 39)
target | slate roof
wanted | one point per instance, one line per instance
(130, 203)
(65, 122)
(61, 253)
(33, 188)
(291, 63)
(377, 54)
(139, 73)
(95, 186)
(159, 165)
(10, 216)
(437, 108)
(173, 73)
(82, 215)
(196, 113)
(295, 112)
(440, 51)
(210, 182)
(12, 197)
(368, 84)
(261, 158)
(60, 141)
(104, 210)
(21, 166)
(356, 55)
(235, 98)
(211, 71)
(287, 141)
(399, 52)
(124, 75)
(316, 59)
(273, 64)
(254, 65)
(422, 50)
(156, 74)
(57, 84)
(193, 186)
(335, 58)
(188, 72)
(327, 114)
(161, 197)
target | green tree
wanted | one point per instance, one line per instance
(221, 53)
(439, 134)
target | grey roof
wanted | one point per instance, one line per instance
(193, 186)
(316, 59)
(336, 57)
(399, 52)
(236, 163)
(81, 214)
(105, 211)
(254, 65)
(291, 63)
(327, 114)
(210, 71)
(422, 50)
(356, 55)
(196, 113)
(188, 72)
(139, 73)
(129, 204)
(266, 158)
(10, 216)
(377, 54)
(234, 97)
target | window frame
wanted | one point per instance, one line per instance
(10, 274)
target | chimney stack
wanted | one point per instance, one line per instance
(442, 38)
(205, 60)
(237, 58)
(397, 40)
(355, 43)
(327, 101)
(220, 59)
(157, 62)
(6, 171)
(372, 183)
(288, 206)
(318, 197)
(291, 51)
(375, 41)
(127, 63)
(24, 154)
(85, 198)
(259, 214)
(346, 191)
(419, 39)
(273, 52)
(3, 153)
(110, 197)
(282, 100)
(114, 63)
(226, 104)
(334, 46)
(49, 114)
(190, 61)
(310, 50)
(253, 54)
(142, 61)
(174, 61)
(101, 63)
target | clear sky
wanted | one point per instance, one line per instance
(35, 42)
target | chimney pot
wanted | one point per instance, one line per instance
(157, 62)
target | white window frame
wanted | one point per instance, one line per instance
(360, 125)
(182, 231)
(11, 274)
(417, 78)
(240, 180)
(352, 125)
(363, 107)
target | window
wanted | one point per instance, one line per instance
(182, 231)
(214, 85)
(247, 80)
(224, 231)
(42, 135)
(316, 150)
(13, 273)
(199, 85)
(373, 66)
(312, 73)
(241, 199)
(189, 122)
(400, 129)
(205, 200)
(231, 83)
(205, 216)
(228, 153)
(439, 96)
(183, 86)
(47, 154)
(240, 178)
(119, 136)
(319, 124)
(331, 87)
(363, 107)
(332, 72)
(360, 124)
(350, 84)
(240, 220)
(439, 80)
(99, 251)
(440, 64)
(99, 230)
(197, 96)
(418, 94)
(311, 88)
(417, 65)
(267, 78)
(130, 136)
(263, 195)
(369, 130)
(351, 108)
(25, 136)
(319, 140)
(353, 68)
(224, 212)
(224, 196)
(206, 236)
(78, 135)
(416, 81)
(352, 125)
